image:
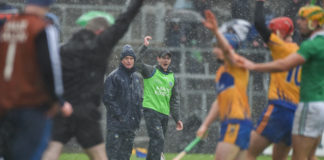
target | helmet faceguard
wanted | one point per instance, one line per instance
(312, 13)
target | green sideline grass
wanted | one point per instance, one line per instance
(81, 156)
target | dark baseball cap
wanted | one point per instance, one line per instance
(164, 53)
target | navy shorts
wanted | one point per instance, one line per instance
(276, 124)
(236, 132)
(29, 132)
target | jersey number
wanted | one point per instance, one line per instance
(294, 72)
(9, 61)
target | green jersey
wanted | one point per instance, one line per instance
(312, 80)
(157, 92)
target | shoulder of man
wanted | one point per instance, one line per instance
(34, 23)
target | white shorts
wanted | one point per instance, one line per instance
(309, 119)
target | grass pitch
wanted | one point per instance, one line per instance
(168, 156)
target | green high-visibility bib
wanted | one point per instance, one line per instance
(157, 92)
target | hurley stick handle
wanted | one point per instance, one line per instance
(187, 149)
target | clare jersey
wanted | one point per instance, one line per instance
(284, 86)
(231, 87)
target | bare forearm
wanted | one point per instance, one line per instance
(223, 44)
(274, 66)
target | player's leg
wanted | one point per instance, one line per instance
(60, 136)
(280, 151)
(241, 155)
(31, 133)
(89, 135)
(302, 147)
(307, 129)
(97, 152)
(226, 151)
(258, 144)
(312, 155)
(6, 130)
(53, 151)
(235, 139)
(263, 135)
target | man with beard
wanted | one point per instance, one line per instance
(161, 97)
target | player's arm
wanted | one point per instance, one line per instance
(114, 33)
(259, 21)
(212, 24)
(279, 65)
(211, 117)
(48, 58)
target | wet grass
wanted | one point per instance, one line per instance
(81, 156)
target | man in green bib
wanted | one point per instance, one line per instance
(161, 98)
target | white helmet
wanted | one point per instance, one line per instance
(239, 26)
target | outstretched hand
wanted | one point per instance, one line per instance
(210, 22)
(146, 40)
(245, 63)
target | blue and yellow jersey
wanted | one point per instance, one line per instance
(231, 87)
(284, 86)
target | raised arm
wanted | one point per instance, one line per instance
(212, 24)
(145, 69)
(114, 33)
(259, 21)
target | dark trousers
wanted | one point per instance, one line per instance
(30, 130)
(119, 144)
(156, 125)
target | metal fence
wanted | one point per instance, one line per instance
(195, 66)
